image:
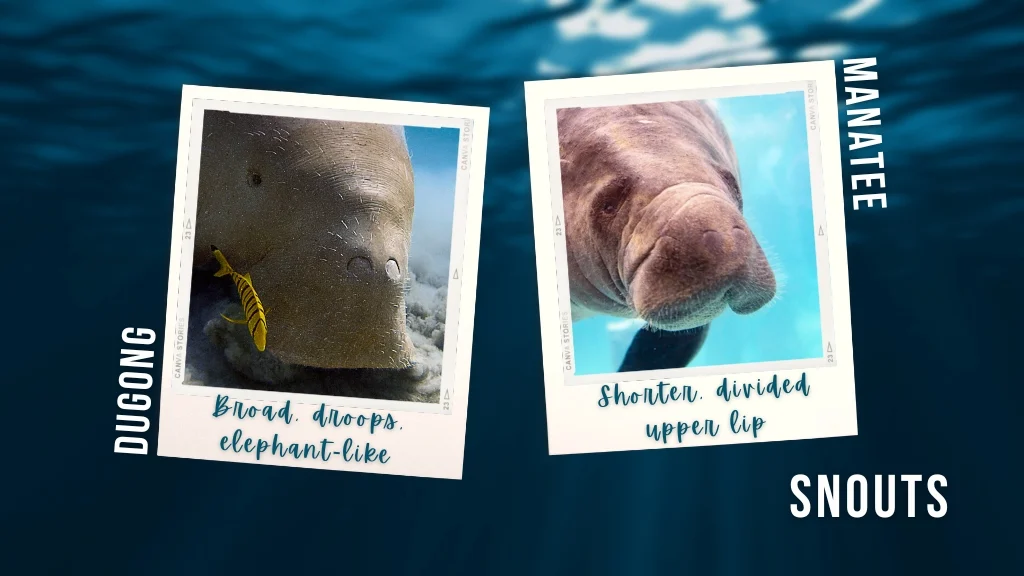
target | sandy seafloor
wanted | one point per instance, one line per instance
(221, 354)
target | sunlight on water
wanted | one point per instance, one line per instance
(90, 96)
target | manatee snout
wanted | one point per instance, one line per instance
(697, 256)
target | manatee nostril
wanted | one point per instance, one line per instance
(714, 242)
(360, 265)
(392, 270)
(740, 234)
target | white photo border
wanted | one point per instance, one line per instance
(472, 123)
(563, 388)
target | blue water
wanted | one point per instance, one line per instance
(769, 134)
(434, 153)
(90, 96)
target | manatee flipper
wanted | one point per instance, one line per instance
(661, 349)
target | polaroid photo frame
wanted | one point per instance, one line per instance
(746, 287)
(333, 327)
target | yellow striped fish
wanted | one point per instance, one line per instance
(255, 315)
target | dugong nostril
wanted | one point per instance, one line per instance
(359, 265)
(714, 242)
(392, 270)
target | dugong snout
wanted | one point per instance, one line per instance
(319, 214)
(696, 256)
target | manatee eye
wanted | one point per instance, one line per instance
(731, 185)
(254, 179)
(612, 198)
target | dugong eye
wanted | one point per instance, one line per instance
(254, 179)
(609, 207)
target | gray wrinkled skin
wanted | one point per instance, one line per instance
(319, 214)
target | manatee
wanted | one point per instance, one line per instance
(319, 214)
(654, 225)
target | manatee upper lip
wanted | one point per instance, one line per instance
(633, 268)
(686, 308)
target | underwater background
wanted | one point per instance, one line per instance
(769, 134)
(90, 95)
(435, 160)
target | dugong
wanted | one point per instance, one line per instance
(654, 225)
(319, 215)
